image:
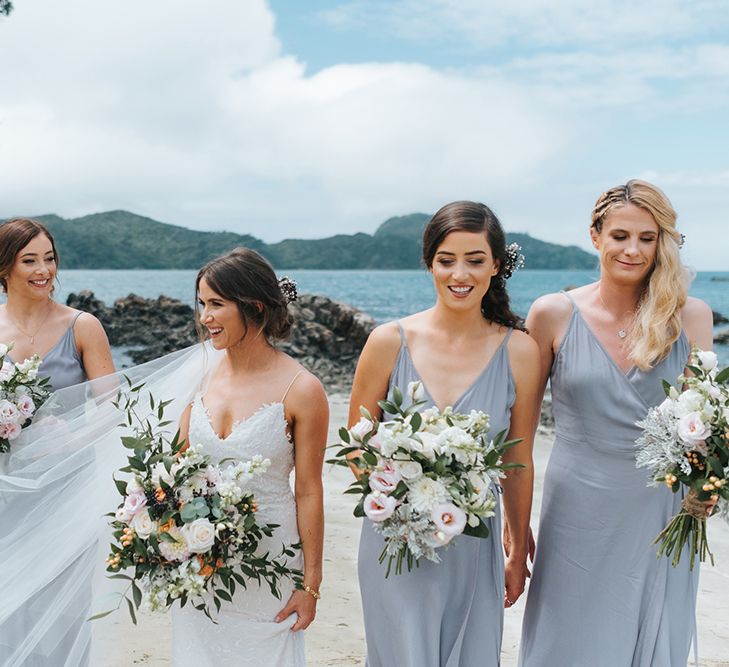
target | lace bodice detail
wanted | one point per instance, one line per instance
(263, 433)
(245, 633)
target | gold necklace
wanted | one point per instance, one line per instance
(32, 336)
(621, 333)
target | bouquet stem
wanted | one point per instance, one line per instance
(676, 534)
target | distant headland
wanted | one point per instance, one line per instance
(124, 240)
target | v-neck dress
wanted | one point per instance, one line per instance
(61, 364)
(598, 595)
(447, 614)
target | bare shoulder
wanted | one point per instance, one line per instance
(551, 308)
(698, 323)
(522, 345)
(385, 337)
(87, 326)
(696, 309)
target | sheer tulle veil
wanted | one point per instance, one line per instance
(54, 490)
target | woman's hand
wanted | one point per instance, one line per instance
(507, 544)
(304, 605)
(515, 575)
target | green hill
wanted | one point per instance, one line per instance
(123, 240)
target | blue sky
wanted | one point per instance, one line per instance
(304, 119)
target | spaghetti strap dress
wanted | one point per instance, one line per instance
(598, 596)
(62, 364)
(447, 614)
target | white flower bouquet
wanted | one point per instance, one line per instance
(21, 393)
(186, 529)
(685, 443)
(426, 476)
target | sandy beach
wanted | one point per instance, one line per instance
(337, 636)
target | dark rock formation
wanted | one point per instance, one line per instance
(722, 337)
(327, 336)
(719, 318)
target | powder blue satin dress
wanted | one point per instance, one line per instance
(598, 596)
(64, 368)
(448, 614)
(61, 364)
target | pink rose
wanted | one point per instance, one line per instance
(8, 412)
(135, 502)
(25, 406)
(449, 519)
(10, 431)
(378, 506)
(385, 480)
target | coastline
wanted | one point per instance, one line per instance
(336, 638)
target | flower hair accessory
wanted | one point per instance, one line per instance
(288, 288)
(514, 260)
(682, 241)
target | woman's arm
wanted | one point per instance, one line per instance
(519, 482)
(372, 375)
(93, 346)
(309, 415)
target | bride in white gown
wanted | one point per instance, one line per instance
(258, 401)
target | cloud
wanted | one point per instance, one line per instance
(200, 118)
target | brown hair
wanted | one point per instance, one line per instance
(15, 234)
(245, 277)
(657, 323)
(468, 216)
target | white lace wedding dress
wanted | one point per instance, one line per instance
(246, 634)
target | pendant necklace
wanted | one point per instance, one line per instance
(32, 336)
(622, 333)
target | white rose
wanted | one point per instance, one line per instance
(199, 535)
(409, 470)
(689, 401)
(143, 525)
(707, 359)
(361, 428)
(692, 430)
(426, 445)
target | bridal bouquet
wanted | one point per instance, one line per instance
(21, 393)
(685, 443)
(186, 529)
(426, 476)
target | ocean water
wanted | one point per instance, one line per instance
(385, 295)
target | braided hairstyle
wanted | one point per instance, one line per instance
(246, 278)
(468, 216)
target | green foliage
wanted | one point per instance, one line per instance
(123, 240)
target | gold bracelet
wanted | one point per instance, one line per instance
(315, 594)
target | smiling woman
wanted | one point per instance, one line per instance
(72, 345)
(605, 347)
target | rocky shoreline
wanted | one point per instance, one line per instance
(326, 338)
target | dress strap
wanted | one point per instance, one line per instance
(569, 296)
(402, 333)
(291, 384)
(75, 317)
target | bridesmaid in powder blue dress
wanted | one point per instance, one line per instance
(73, 348)
(470, 352)
(598, 596)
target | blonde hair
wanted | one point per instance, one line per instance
(657, 323)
